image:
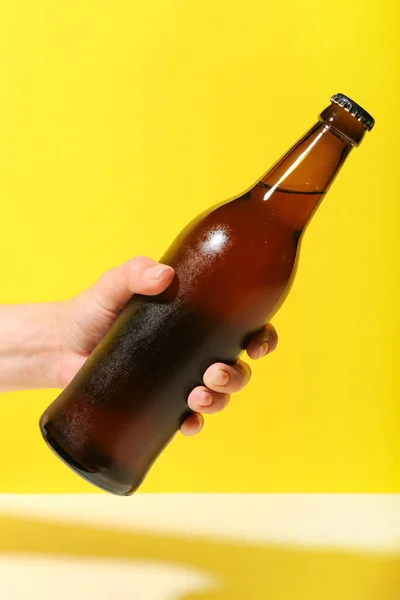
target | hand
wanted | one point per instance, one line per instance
(87, 318)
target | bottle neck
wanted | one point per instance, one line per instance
(296, 184)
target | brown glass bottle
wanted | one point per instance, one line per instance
(234, 265)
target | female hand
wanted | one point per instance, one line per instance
(86, 319)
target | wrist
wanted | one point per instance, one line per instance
(30, 345)
(51, 346)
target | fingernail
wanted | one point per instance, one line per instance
(156, 271)
(200, 422)
(262, 350)
(222, 377)
(206, 399)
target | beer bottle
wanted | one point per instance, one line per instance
(234, 265)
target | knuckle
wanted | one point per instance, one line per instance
(139, 262)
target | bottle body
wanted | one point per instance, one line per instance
(234, 266)
(129, 399)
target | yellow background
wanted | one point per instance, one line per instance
(119, 121)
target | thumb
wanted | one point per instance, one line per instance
(90, 315)
(108, 296)
(140, 275)
(93, 311)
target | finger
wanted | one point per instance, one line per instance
(140, 275)
(227, 379)
(203, 400)
(263, 343)
(192, 425)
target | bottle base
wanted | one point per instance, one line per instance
(95, 478)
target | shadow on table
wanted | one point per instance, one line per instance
(241, 571)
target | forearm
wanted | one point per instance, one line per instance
(29, 346)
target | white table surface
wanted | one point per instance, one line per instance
(200, 546)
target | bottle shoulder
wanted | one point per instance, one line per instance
(234, 230)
